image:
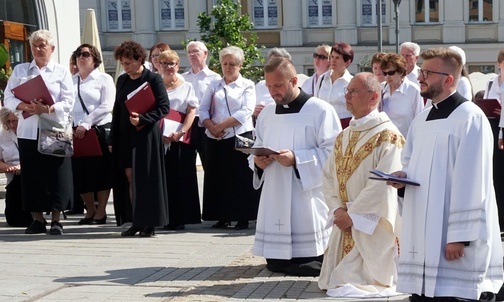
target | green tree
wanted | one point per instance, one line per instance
(226, 26)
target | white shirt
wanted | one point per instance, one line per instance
(59, 83)
(413, 75)
(201, 80)
(334, 92)
(241, 100)
(98, 94)
(263, 96)
(404, 104)
(182, 96)
(9, 152)
(310, 84)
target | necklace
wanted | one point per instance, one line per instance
(172, 83)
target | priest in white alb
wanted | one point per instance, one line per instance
(360, 260)
(450, 239)
(290, 230)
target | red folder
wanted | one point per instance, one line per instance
(488, 106)
(33, 89)
(345, 122)
(88, 145)
(141, 100)
(179, 117)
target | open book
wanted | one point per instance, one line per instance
(379, 175)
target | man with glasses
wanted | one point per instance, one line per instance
(200, 77)
(410, 52)
(360, 258)
(291, 228)
(450, 243)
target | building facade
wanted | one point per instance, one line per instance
(477, 26)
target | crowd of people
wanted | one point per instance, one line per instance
(306, 182)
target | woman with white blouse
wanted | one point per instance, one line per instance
(9, 164)
(331, 86)
(225, 111)
(180, 156)
(321, 63)
(53, 191)
(401, 98)
(94, 99)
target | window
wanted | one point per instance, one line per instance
(172, 14)
(481, 68)
(369, 16)
(268, 8)
(119, 15)
(319, 13)
(429, 15)
(480, 10)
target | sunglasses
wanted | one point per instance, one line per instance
(167, 64)
(390, 73)
(84, 54)
(318, 56)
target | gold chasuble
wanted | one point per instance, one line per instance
(362, 257)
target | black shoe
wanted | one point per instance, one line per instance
(86, 220)
(221, 224)
(36, 227)
(56, 228)
(100, 221)
(147, 232)
(73, 212)
(131, 231)
(241, 225)
(174, 227)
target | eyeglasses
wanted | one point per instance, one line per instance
(193, 52)
(319, 56)
(167, 64)
(353, 91)
(155, 55)
(84, 54)
(425, 73)
(390, 73)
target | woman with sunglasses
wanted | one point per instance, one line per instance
(331, 86)
(180, 156)
(321, 64)
(94, 98)
(401, 98)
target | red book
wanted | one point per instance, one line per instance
(141, 100)
(173, 122)
(33, 89)
(488, 106)
(88, 145)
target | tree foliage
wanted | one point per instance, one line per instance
(226, 26)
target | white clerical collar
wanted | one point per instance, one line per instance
(285, 106)
(361, 121)
(436, 104)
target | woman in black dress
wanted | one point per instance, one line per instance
(140, 182)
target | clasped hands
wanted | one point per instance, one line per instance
(285, 158)
(16, 169)
(36, 107)
(173, 137)
(342, 220)
(217, 130)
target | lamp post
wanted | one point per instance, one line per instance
(396, 18)
(378, 20)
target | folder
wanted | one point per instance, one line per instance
(388, 177)
(141, 100)
(488, 106)
(34, 88)
(89, 145)
(259, 151)
(173, 123)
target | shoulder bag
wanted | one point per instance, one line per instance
(54, 138)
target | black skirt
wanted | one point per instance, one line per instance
(228, 193)
(46, 181)
(182, 184)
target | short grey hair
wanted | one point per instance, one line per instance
(325, 48)
(4, 115)
(199, 44)
(234, 51)
(279, 52)
(412, 46)
(42, 34)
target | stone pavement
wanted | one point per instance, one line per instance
(94, 263)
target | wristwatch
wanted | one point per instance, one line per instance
(182, 131)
